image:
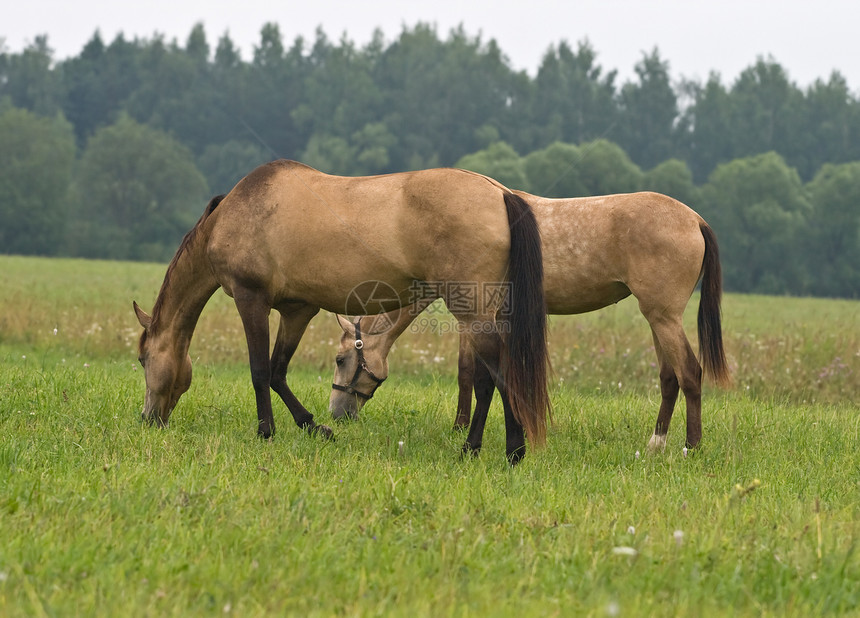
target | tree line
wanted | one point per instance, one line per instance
(113, 153)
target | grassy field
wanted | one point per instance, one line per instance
(100, 515)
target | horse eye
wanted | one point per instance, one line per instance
(339, 360)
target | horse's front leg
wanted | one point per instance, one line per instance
(254, 311)
(294, 321)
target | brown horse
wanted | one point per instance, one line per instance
(597, 251)
(293, 239)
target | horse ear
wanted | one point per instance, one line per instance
(347, 326)
(142, 316)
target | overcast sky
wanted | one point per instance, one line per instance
(809, 39)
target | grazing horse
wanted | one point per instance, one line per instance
(597, 251)
(290, 238)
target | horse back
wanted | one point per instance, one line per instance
(307, 234)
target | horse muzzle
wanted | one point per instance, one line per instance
(344, 405)
(154, 415)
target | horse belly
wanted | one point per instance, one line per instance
(571, 296)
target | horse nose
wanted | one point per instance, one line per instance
(343, 410)
(338, 412)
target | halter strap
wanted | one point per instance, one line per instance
(362, 366)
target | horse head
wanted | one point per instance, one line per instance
(361, 364)
(167, 369)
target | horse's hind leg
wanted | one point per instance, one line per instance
(465, 382)
(679, 370)
(294, 321)
(669, 388)
(487, 353)
(484, 387)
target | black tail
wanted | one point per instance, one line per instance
(713, 356)
(527, 366)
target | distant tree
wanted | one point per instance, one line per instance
(757, 207)
(673, 178)
(830, 129)
(36, 158)
(197, 47)
(554, 171)
(28, 79)
(137, 192)
(231, 94)
(275, 100)
(177, 93)
(436, 93)
(498, 161)
(766, 110)
(763, 111)
(330, 154)
(339, 95)
(605, 168)
(364, 152)
(373, 143)
(833, 249)
(706, 130)
(224, 165)
(98, 82)
(227, 55)
(573, 101)
(649, 108)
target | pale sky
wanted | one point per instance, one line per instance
(809, 39)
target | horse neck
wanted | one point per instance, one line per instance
(188, 285)
(402, 318)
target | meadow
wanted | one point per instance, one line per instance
(101, 515)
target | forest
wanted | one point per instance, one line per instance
(113, 153)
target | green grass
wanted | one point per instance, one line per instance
(100, 515)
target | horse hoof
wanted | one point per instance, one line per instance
(468, 449)
(656, 443)
(322, 430)
(516, 456)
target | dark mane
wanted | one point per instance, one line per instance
(187, 241)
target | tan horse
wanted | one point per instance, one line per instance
(597, 251)
(293, 239)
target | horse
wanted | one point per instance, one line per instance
(290, 238)
(597, 251)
